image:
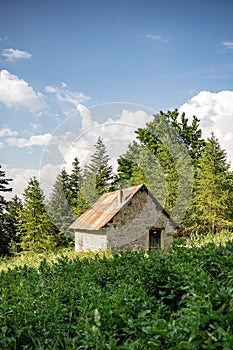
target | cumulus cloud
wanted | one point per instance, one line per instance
(16, 92)
(20, 178)
(117, 131)
(61, 141)
(228, 44)
(7, 132)
(215, 111)
(36, 140)
(15, 54)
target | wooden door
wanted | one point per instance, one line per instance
(154, 239)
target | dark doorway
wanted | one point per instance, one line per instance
(154, 239)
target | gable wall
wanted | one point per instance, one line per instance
(129, 229)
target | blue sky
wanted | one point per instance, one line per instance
(60, 58)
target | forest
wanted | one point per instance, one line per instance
(168, 152)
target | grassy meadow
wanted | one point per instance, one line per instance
(176, 299)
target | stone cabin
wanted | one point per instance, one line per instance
(129, 218)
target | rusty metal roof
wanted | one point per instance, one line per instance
(103, 210)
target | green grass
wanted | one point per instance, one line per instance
(179, 299)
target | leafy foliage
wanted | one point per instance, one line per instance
(180, 299)
(163, 158)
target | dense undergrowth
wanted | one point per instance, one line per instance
(179, 299)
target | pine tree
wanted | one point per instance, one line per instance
(88, 190)
(35, 228)
(65, 180)
(4, 236)
(75, 179)
(13, 208)
(208, 212)
(100, 169)
(75, 176)
(59, 209)
(4, 182)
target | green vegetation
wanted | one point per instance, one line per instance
(188, 175)
(5, 238)
(35, 227)
(179, 299)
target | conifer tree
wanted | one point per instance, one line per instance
(13, 208)
(208, 212)
(100, 169)
(59, 209)
(4, 236)
(65, 181)
(35, 228)
(88, 191)
(75, 179)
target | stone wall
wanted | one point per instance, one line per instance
(129, 229)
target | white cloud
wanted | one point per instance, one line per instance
(215, 111)
(35, 126)
(64, 94)
(16, 92)
(21, 176)
(156, 37)
(228, 44)
(2, 38)
(7, 132)
(87, 121)
(117, 132)
(51, 89)
(15, 54)
(36, 140)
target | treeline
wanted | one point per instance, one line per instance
(36, 223)
(169, 155)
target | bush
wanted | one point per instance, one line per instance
(179, 299)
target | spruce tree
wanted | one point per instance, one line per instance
(13, 208)
(4, 235)
(88, 190)
(209, 212)
(59, 209)
(75, 179)
(35, 228)
(100, 169)
(65, 181)
(4, 182)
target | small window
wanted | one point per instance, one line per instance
(154, 239)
